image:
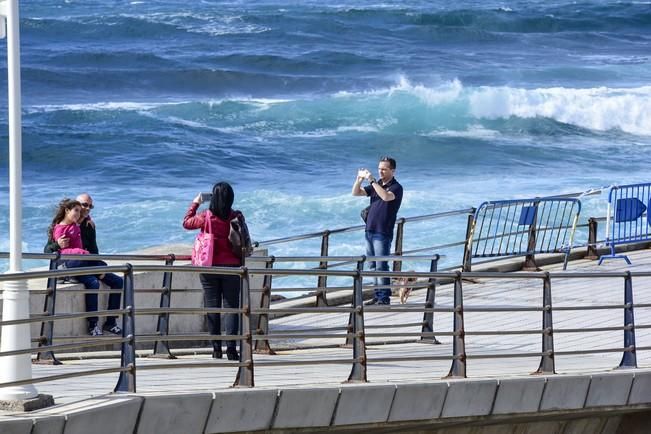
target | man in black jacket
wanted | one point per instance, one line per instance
(89, 241)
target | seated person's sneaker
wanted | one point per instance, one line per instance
(371, 302)
(95, 330)
(115, 329)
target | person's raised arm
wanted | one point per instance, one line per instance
(357, 185)
(191, 220)
(385, 195)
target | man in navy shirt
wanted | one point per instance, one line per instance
(386, 196)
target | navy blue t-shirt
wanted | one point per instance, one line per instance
(382, 215)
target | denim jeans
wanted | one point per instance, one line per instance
(216, 288)
(92, 282)
(379, 244)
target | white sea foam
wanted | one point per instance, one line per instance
(473, 131)
(597, 109)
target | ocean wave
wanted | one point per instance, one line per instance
(447, 109)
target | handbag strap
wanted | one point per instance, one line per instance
(207, 222)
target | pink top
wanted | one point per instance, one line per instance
(73, 232)
(223, 255)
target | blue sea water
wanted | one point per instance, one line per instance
(143, 104)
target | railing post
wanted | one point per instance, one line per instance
(592, 240)
(547, 362)
(358, 371)
(530, 259)
(400, 235)
(127, 380)
(262, 346)
(467, 249)
(161, 348)
(629, 359)
(49, 308)
(428, 317)
(351, 317)
(245, 376)
(458, 368)
(322, 282)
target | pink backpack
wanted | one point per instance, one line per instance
(204, 245)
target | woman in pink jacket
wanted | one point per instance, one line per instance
(219, 287)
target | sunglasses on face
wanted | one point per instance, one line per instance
(87, 205)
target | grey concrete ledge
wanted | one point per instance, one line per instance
(565, 392)
(519, 395)
(365, 404)
(609, 389)
(469, 398)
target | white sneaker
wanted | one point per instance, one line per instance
(95, 331)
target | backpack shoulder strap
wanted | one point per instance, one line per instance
(207, 224)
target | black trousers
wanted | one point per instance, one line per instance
(215, 289)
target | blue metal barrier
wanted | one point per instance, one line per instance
(522, 227)
(628, 219)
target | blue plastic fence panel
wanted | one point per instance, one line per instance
(503, 228)
(629, 219)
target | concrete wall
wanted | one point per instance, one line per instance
(605, 403)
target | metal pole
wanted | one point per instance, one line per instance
(428, 317)
(467, 249)
(358, 371)
(530, 259)
(547, 363)
(592, 240)
(322, 282)
(351, 317)
(400, 235)
(47, 327)
(127, 380)
(262, 346)
(245, 375)
(161, 348)
(458, 368)
(629, 359)
(15, 303)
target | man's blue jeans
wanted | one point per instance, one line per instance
(379, 244)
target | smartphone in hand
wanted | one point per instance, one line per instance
(205, 197)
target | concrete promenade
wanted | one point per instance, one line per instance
(499, 395)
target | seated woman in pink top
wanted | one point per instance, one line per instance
(64, 225)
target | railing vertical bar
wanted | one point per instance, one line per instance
(458, 368)
(351, 317)
(497, 228)
(510, 219)
(547, 362)
(503, 231)
(629, 358)
(358, 370)
(430, 299)
(127, 379)
(530, 259)
(467, 251)
(592, 239)
(479, 215)
(49, 308)
(322, 281)
(562, 223)
(488, 231)
(161, 348)
(245, 374)
(262, 346)
(400, 233)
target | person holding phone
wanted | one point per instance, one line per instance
(385, 199)
(219, 290)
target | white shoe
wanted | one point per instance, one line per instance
(95, 331)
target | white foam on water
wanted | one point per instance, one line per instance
(599, 109)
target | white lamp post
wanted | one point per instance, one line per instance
(15, 297)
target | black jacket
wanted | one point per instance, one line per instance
(88, 239)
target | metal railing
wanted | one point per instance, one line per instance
(356, 332)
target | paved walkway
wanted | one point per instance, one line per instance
(210, 375)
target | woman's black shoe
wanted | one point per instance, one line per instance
(231, 353)
(217, 353)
